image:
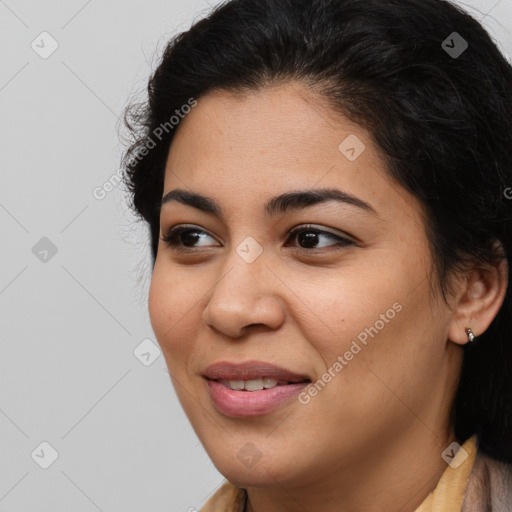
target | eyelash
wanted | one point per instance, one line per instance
(172, 238)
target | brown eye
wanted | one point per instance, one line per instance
(186, 237)
(309, 238)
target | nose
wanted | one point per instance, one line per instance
(247, 295)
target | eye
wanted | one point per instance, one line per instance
(186, 238)
(180, 237)
(308, 238)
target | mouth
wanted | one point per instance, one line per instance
(249, 371)
(251, 388)
(256, 384)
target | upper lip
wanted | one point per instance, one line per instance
(250, 370)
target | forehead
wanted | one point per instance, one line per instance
(260, 143)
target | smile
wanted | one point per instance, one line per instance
(251, 388)
(245, 402)
(252, 385)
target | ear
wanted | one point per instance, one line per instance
(481, 294)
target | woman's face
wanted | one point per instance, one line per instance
(344, 304)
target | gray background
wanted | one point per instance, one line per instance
(71, 372)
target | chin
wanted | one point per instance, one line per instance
(263, 473)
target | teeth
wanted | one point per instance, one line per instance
(236, 384)
(269, 383)
(252, 385)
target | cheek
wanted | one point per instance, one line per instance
(377, 317)
(347, 305)
(388, 344)
(171, 311)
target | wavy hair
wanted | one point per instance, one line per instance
(442, 118)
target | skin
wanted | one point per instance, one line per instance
(372, 438)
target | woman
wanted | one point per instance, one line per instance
(327, 186)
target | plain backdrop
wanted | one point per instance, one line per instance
(88, 417)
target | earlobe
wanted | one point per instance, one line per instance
(481, 296)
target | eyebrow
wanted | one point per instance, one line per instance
(284, 203)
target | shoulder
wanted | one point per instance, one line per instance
(227, 498)
(489, 487)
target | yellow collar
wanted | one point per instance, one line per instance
(449, 492)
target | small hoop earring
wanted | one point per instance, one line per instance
(471, 335)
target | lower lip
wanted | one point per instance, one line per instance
(251, 403)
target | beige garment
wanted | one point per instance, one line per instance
(228, 498)
(449, 492)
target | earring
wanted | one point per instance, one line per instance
(471, 335)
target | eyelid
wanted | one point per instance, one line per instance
(324, 231)
(344, 239)
(179, 228)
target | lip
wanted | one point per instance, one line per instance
(249, 370)
(236, 403)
